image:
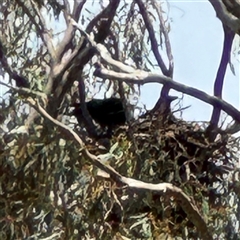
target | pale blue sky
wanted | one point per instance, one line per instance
(196, 37)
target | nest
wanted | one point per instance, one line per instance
(171, 150)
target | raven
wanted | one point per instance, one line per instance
(106, 112)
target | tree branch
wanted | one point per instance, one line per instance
(233, 6)
(225, 16)
(163, 104)
(142, 77)
(66, 42)
(218, 84)
(152, 37)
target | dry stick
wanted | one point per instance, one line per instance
(167, 188)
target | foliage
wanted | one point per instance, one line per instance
(49, 189)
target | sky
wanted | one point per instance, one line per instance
(196, 38)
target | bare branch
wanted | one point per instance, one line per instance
(233, 6)
(225, 16)
(82, 51)
(77, 8)
(218, 84)
(167, 188)
(152, 37)
(103, 51)
(142, 77)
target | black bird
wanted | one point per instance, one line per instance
(106, 112)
